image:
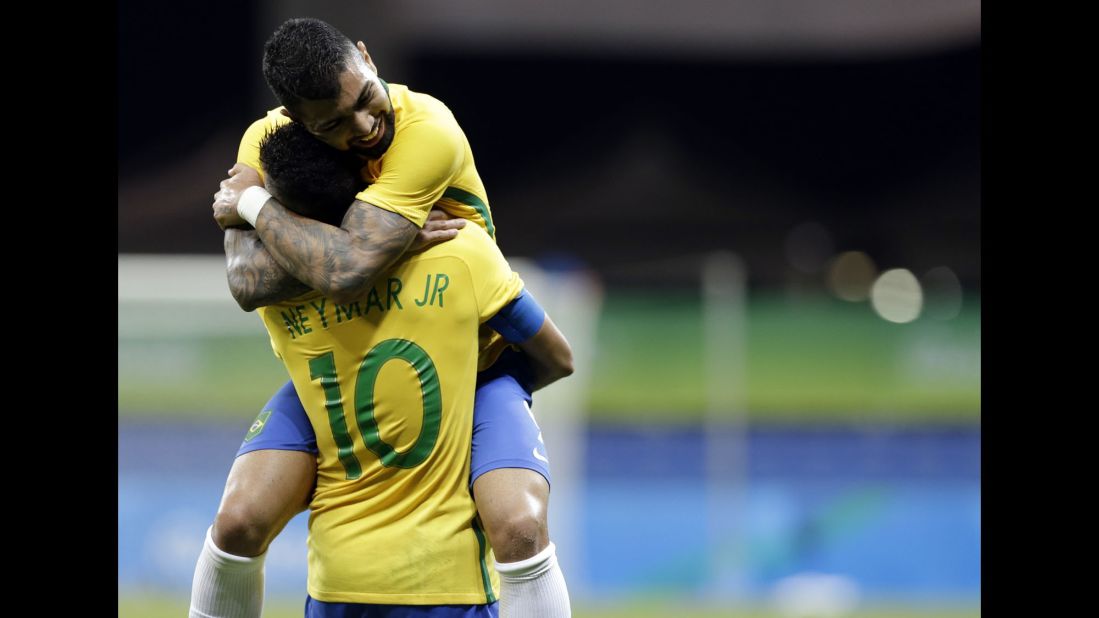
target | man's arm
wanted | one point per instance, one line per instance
(258, 278)
(340, 262)
(525, 324)
(343, 262)
(549, 354)
(255, 278)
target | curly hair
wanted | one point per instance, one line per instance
(309, 177)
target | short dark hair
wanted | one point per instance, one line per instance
(308, 176)
(303, 60)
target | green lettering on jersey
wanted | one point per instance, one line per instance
(372, 300)
(445, 281)
(347, 310)
(430, 392)
(323, 368)
(292, 324)
(395, 286)
(302, 319)
(320, 311)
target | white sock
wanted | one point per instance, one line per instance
(534, 588)
(226, 586)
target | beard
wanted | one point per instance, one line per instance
(377, 150)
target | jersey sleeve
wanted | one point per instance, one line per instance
(416, 170)
(519, 320)
(494, 283)
(248, 151)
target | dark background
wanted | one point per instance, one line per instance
(627, 155)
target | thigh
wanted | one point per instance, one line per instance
(275, 471)
(270, 487)
(282, 424)
(505, 432)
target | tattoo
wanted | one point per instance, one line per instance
(340, 262)
(255, 278)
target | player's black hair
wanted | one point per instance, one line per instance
(303, 60)
(308, 176)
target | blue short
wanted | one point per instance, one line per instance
(282, 425)
(505, 434)
(320, 609)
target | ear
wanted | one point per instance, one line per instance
(286, 112)
(366, 56)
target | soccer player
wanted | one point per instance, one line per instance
(392, 520)
(416, 156)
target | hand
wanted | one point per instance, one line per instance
(225, 200)
(439, 227)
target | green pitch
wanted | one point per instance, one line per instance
(164, 607)
(810, 362)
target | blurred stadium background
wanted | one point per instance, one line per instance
(757, 220)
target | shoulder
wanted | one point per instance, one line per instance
(418, 103)
(248, 150)
(422, 115)
(476, 249)
(271, 120)
(427, 141)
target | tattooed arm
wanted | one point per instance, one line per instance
(255, 278)
(340, 262)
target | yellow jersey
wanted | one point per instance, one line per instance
(429, 162)
(388, 383)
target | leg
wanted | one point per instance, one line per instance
(271, 480)
(510, 478)
(513, 503)
(264, 491)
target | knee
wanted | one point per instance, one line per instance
(240, 531)
(518, 535)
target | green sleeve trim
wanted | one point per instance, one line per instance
(469, 199)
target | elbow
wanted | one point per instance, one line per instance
(563, 364)
(557, 367)
(240, 292)
(348, 287)
(565, 370)
(549, 368)
(246, 304)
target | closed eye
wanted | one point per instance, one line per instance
(365, 97)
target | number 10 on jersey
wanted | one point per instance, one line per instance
(323, 368)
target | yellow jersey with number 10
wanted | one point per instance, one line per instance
(388, 383)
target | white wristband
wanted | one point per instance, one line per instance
(251, 202)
